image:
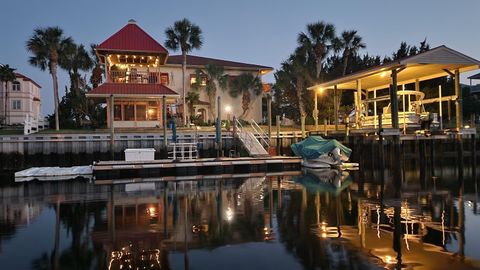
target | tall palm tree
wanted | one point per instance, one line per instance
(7, 74)
(245, 84)
(184, 36)
(215, 76)
(349, 43)
(318, 41)
(74, 59)
(47, 46)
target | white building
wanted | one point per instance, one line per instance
(22, 98)
(140, 72)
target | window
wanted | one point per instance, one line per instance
(117, 112)
(141, 112)
(16, 105)
(193, 80)
(152, 113)
(16, 86)
(129, 112)
(164, 78)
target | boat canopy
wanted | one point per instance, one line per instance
(315, 146)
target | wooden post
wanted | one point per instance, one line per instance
(375, 108)
(325, 126)
(279, 141)
(302, 120)
(269, 112)
(336, 107)
(458, 103)
(394, 100)
(219, 126)
(112, 128)
(164, 115)
(440, 109)
(404, 115)
(315, 109)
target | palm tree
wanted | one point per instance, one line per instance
(350, 43)
(215, 76)
(74, 59)
(192, 98)
(318, 41)
(185, 36)
(47, 46)
(245, 84)
(7, 74)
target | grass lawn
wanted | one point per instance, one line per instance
(11, 131)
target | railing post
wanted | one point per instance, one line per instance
(302, 123)
(277, 118)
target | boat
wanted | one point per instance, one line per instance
(320, 153)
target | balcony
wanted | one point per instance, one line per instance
(132, 76)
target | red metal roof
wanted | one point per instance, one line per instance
(146, 89)
(132, 38)
(201, 61)
(25, 78)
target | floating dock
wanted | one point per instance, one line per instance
(205, 166)
(165, 169)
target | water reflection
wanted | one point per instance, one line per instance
(410, 217)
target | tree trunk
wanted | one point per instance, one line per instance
(299, 92)
(53, 71)
(6, 101)
(345, 62)
(319, 67)
(184, 71)
(211, 106)
(245, 104)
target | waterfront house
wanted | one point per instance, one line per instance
(140, 73)
(22, 100)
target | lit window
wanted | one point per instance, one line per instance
(16, 86)
(164, 78)
(193, 80)
(16, 105)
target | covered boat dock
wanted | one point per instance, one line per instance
(395, 76)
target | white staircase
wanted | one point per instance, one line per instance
(255, 148)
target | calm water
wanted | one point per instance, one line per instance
(412, 217)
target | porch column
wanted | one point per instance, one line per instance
(394, 100)
(458, 102)
(164, 115)
(358, 107)
(108, 112)
(375, 108)
(112, 127)
(315, 109)
(336, 102)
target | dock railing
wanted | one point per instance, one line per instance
(260, 133)
(183, 151)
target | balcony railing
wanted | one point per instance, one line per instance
(117, 76)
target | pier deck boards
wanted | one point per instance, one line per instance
(166, 167)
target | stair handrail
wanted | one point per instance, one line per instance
(243, 136)
(260, 133)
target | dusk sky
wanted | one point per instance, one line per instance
(260, 32)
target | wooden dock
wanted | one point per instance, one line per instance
(104, 170)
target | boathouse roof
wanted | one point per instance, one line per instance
(437, 62)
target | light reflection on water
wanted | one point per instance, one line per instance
(367, 219)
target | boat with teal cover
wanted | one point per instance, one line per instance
(318, 152)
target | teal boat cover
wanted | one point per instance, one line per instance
(314, 146)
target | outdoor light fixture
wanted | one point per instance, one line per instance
(228, 109)
(320, 90)
(383, 74)
(151, 111)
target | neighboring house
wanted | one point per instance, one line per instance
(23, 101)
(139, 73)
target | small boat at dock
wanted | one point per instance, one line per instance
(320, 153)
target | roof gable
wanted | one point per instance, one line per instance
(440, 55)
(131, 38)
